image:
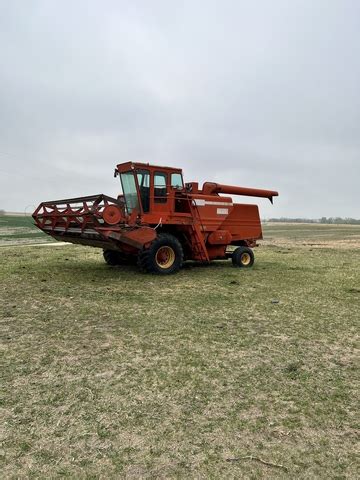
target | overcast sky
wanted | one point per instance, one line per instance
(255, 93)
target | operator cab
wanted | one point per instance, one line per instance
(149, 189)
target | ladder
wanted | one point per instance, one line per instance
(197, 227)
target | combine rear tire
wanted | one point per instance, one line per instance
(164, 256)
(113, 258)
(243, 257)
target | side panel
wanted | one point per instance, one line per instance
(212, 210)
(243, 222)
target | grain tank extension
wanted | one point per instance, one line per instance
(158, 221)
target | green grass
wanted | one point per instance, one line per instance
(108, 373)
(16, 229)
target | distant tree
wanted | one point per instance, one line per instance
(2, 212)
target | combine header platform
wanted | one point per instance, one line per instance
(158, 221)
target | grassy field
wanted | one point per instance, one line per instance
(15, 229)
(216, 372)
(312, 235)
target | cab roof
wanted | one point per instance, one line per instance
(125, 167)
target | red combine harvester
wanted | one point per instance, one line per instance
(158, 221)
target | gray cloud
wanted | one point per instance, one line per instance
(257, 93)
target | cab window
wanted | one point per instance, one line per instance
(177, 181)
(160, 191)
(143, 177)
(129, 191)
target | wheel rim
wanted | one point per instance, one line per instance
(165, 257)
(245, 258)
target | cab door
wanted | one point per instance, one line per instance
(161, 192)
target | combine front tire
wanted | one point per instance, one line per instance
(164, 256)
(243, 257)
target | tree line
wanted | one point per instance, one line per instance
(322, 220)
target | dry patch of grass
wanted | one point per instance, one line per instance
(312, 235)
(109, 373)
